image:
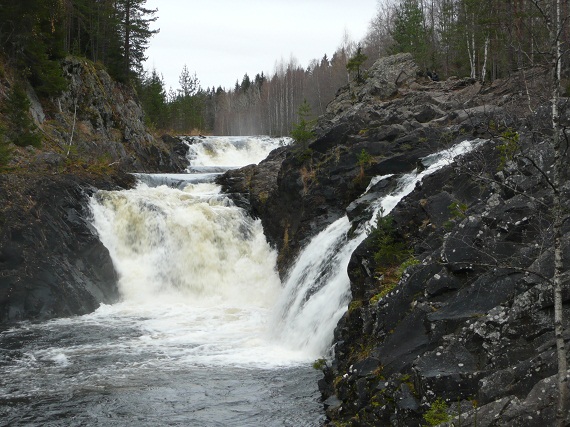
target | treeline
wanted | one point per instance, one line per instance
(180, 111)
(270, 105)
(483, 39)
(260, 105)
(36, 34)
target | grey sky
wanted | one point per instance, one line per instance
(221, 40)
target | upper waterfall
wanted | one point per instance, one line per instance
(225, 152)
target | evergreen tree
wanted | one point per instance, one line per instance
(259, 80)
(134, 32)
(187, 107)
(21, 131)
(92, 31)
(302, 132)
(189, 84)
(153, 98)
(31, 33)
(356, 62)
(409, 32)
(245, 83)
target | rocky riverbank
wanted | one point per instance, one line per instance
(466, 331)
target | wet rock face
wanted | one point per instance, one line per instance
(469, 324)
(52, 263)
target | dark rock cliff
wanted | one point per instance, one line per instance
(471, 324)
(52, 263)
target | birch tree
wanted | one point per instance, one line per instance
(552, 13)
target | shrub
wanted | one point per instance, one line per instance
(437, 414)
(508, 148)
(302, 132)
(390, 250)
(5, 150)
(319, 364)
(363, 159)
(391, 255)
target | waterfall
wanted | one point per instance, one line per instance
(317, 288)
(205, 332)
(189, 244)
(185, 245)
(196, 268)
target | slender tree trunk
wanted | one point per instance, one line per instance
(471, 49)
(561, 407)
(486, 52)
(127, 41)
(72, 127)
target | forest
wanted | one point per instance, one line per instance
(36, 34)
(483, 39)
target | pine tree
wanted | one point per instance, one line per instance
(409, 32)
(356, 62)
(135, 33)
(31, 33)
(21, 131)
(153, 98)
(302, 132)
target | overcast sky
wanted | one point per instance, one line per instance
(221, 40)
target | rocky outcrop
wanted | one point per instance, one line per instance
(472, 323)
(96, 124)
(381, 127)
(468, 329)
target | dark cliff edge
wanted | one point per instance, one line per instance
(52, 263)
(467, 331)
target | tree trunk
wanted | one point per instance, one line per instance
(486, 53)
(127, 41)
(561, 407)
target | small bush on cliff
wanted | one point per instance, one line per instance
(437, 414)
(364, 159)
(508, 147)
(457, 211)
(391, 251)
(302, 132)
(5, 150)
(355, 63)
(319, 364)
(392, 255)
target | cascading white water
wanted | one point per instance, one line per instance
(317, 289)
(193, 246)
(190, 244)
(230, 152)
(191, 251)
